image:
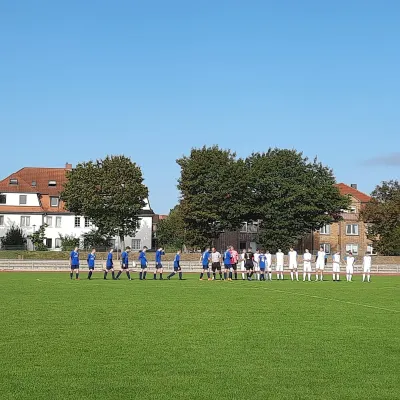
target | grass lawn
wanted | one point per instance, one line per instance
(97, 339)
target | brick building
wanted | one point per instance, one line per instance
(350, 234)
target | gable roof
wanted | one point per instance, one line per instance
(41, 176)
(348, 190)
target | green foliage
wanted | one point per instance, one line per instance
(212, 185)
(14, 238)
(382, 214)
(110, 192)
(38, 238)
(291, 196)
(68, 242)
(171, 231)
(335, 341)
(95, 239)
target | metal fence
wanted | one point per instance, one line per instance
(187, 266)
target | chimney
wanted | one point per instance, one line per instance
(68, 166)
(354, 185)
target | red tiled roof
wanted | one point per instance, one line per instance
(20, 209)
(346, 189)
(41, 176)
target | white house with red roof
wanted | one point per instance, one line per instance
(30, 198)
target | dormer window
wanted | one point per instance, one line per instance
(13, 181)
(33, 183)
(52, 183)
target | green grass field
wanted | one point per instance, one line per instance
(63, 339)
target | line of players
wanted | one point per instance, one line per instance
(259, 262)
(91, 261)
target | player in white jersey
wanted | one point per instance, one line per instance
(320, 264)
(242, 262)
(367, 262)
(268, 273)
(336, 266)
(307, 265)
(350, 260)
(279, 264)
(256, 263)
(293, 264)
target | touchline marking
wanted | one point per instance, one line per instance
(332, 299)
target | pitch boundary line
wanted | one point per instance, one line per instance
(333, 299)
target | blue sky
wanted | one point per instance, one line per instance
(151, 79)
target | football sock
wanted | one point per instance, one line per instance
(161, 275)
(180, 275)
(155, 275)
(128, 274)
(277, 276)
(350, 277)
(230, 275)
(225, 276)
(282, 275)
(140, 275)
(77, 275)
(363, 277)
(369, 278)
(90, 274)
(201, 275)
(337, 277)
(170, 275)
(144, 274)
(208, 275)
(309, 277)
(235, 275)
(297, 275)
(113, 274)
(105, 274)
(316, 277)
(220, 275)
(333, 276)
(71, 274)
(291, 275)
(270, 276)
(251, 274)
(322, 277)
(119, 274)
(214, 274)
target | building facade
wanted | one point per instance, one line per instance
(30, 198)
(349, 234)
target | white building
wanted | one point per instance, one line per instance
(30, 198)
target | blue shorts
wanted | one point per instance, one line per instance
(227, 266)
(74, 266)
(143, 266)
(176, 269)
(91, 267)
(205, 266)
(262, 268)
(159, 266)
(125, 265)
(108, 267)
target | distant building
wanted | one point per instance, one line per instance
(30, 198)
(350, 234)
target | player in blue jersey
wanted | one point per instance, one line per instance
(159, 268)
(205, 259)
(91, 260)
(177, 266)
(143, 264)
(262, 263)
(74, 263)
(227, 264)
(109, 265)
(125, 263)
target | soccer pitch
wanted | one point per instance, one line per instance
(194, 339)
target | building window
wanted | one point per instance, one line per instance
(58, 222)
(2, 199)
(243, 228)
(49, 221)
(87, 222)
(242, 245)
(371, 250)
(52, 183)
(1, 220)
(326, 247)
(325, 230)
(54, 201)
(353, 248)
(22, 199)
(33, 183)
(49, 243)
(13, 181)
(352, 229)
(57, 243)
(136, 244)
(112, 243)
(25, 221)
(77, 222)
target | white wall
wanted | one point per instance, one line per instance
(12, 199)
(144, 233)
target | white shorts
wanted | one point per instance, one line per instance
(367, 269)
(307, 266)
(269, 269)
(279, 268)
(349, 270)
(242, 267)
(320, 265)
(336, 267)
(256, 267)
(293, 265)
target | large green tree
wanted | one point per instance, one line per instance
(110, 192)
(212, 185)
(171, 231)
(382, 214)
(291, 196)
